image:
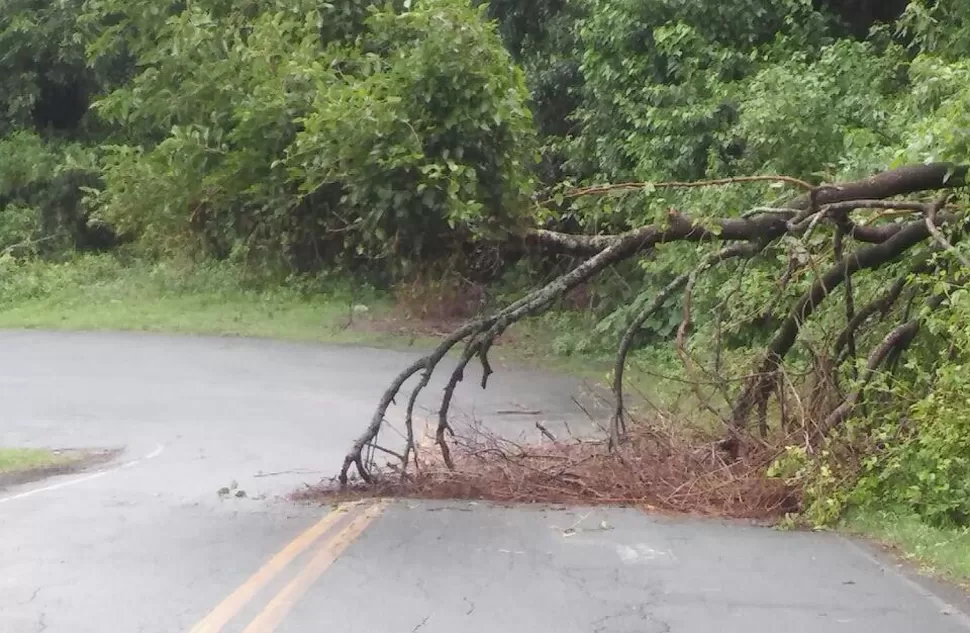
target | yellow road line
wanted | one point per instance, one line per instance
(233, 603)
(281, 605)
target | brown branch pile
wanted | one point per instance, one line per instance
(657, 466)
(908, 230)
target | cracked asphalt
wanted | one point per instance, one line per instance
(147, 545)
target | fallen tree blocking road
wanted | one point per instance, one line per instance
(827, 236)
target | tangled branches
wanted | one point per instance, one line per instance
(861, 244)
(657, 466)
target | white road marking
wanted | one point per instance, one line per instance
(640, 552)
(80, 480)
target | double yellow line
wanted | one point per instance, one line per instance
(354, 517)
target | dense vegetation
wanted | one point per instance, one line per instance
(379, 139)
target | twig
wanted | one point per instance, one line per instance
(618, 426)
(638, 186)
(26, 243)
(931, 211)
(295, 471)
(389, 452)
(546, 433)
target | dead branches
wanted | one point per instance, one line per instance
(481, 333)
(355, 456)
(658, 467)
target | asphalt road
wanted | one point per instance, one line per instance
(146, 545)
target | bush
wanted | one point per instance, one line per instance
(42, 187)
(399, 144)
(919, 457)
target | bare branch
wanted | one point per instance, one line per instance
(880, 304)
(680, 227)
(355, 456)
(388, 451)
(618, 427)
(896, 205)
(896, 182)
(595, 190)
(838, 248)
(931, 213)
(864, 258)
(546, 433)
(893, 343)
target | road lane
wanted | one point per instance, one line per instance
(148, 546)
(152, 547)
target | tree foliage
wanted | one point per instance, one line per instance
(396, 136)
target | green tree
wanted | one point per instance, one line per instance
(399, 133)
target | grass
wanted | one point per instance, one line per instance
(103, 293)
(940, 552)
(100, 293)
(14, 460)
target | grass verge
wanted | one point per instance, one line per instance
(24, 465)
(101, 293)
(938, 552)
(14, 460)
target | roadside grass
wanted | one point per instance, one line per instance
(13, 460)
(937, 551)
(103, 293)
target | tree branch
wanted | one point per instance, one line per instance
(869, 257)
(680, 227)
(829, 202)
(893, 343)
(896, 182)
(931, 214)
(880, 304)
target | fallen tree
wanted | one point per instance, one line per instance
(870, 231)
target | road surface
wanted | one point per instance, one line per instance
(147, 545)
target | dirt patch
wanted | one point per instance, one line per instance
(71, 460)
(431, 328)
(393, 323)
(431, 306)
(655, 469)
